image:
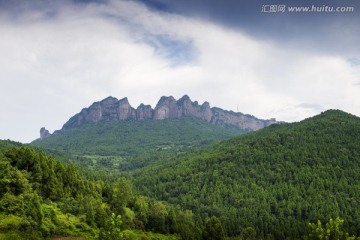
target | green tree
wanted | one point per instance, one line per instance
(248, 233)
(213, 229)
(331, 231)
(157, 217)
(121, 195)
(112, 230)
(141, 208)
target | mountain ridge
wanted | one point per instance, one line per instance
(113, 109)
(275, 180)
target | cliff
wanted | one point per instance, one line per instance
(112, 109)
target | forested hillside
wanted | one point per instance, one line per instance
(273, 181)
(6, 145)
(281, 182)
(127, 145)
(41, 197)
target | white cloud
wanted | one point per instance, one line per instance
(52, 65)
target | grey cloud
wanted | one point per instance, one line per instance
(311, 106)
(72, 54)
(313, 32)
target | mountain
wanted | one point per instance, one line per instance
(112, 109)
(273, 181)
(112, 134)
(266, 184)
(127, 145)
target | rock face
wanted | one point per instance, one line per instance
(44, 133)
(112, 109)
(247, 122)
(144, 112)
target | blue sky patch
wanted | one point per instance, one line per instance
(177, 51)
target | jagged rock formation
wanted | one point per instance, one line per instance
(44, 133)
(112, 109)
(168, 107)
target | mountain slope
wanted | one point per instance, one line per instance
(40, 197)
(5, 145)
(132, 144)
(112, 134)
(274, 180)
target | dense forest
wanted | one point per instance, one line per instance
(287, 181)
(127, 145)
(273, 181)
(41, 197)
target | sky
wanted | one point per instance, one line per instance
(257, 57)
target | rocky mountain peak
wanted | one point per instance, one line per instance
(112, 109)
(109, 100)
(183, 99)
(44, 133)
(125, 111)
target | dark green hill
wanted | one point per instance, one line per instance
(274, 180)
(132, 144)
(5, 145)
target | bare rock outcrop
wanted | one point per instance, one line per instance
(242, 121)
(44, 133)
(144, 112)
(112, 109)
(125, 111)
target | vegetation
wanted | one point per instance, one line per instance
(273, 181)
(332, 230)
(41, 197)
(6, 145)
(281, 182)
(127, 145)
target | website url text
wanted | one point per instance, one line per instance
(307, 9)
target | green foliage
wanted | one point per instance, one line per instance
(121, 194)
(112, 231)
(6, 145)
(157, 217)
(276, 179)
(333, 230)
(128, 145)
(9, 222)
(248, 233)
(213, 229)
(139, 235)
(40, 197)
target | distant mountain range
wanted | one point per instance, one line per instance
(112, 109)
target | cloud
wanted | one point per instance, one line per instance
(178, 52)
(314, 106)
(334, 33)
(354, 62)
(58, 58)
